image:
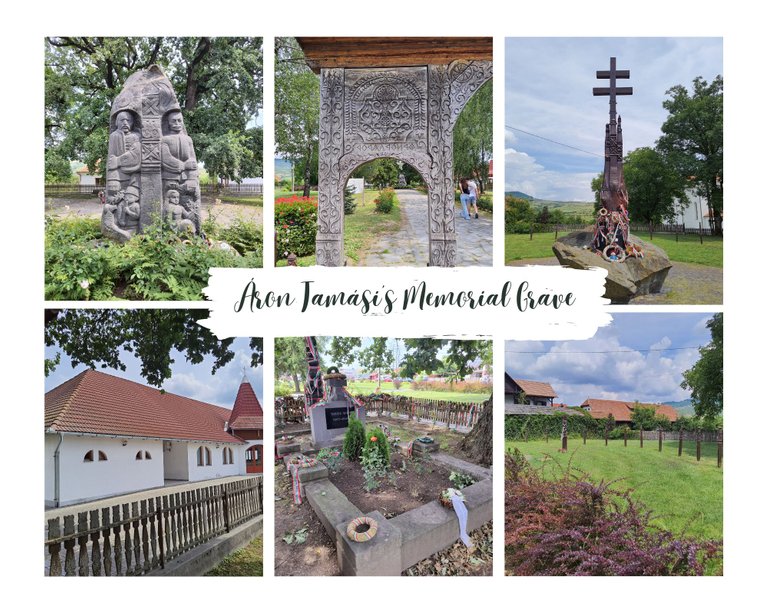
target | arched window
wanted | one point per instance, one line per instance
(147, 455)
(227, 456)
(139, 455)
(203, 456)
(252, 455)
(89, 456)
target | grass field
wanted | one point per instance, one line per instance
(687, 249)
(360, 227)
(365, 388)
(256, 201)
(683, 494)
(248, 561)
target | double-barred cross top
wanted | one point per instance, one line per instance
(612, 90)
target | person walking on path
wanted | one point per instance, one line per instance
(473, 196)
(464, 197)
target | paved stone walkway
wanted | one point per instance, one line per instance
(409, 246)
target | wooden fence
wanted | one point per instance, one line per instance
(134, 538)
(72, 188)
(232, 189)
(448, 413)
(245, 189)
(289, 409)
(673, 229)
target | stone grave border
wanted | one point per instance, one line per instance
(401, 541)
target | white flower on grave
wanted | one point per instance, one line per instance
(84, 284)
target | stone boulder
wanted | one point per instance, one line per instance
(625, 280)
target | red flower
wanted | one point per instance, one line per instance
(373, 438)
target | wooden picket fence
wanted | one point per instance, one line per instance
(134, 538)
(449, 413)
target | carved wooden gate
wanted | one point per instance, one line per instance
(402, 112)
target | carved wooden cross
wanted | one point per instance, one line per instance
(612, 90)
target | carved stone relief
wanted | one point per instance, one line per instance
(151, 164)
(404, 113)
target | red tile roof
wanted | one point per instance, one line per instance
(622, 410)
(247, 412)
(535, 389)
(98, 403)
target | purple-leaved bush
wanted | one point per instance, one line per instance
(572, 526)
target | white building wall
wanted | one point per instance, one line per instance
(217, 468)
(87, 180)
(120, 473)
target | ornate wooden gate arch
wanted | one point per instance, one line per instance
(392, 98)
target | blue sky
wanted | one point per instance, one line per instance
(193, 381)
(548, 92)
(616, 363)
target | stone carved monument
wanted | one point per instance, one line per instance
(396, 111)
(151, 163)
(635, 267)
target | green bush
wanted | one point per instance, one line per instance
(485, 202)
(77, 265)
(295, 225)
(541, 426)
(376, 439)
(385, 201)
(244, 235)
(354, 439)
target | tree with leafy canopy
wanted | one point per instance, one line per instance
(297, 109)
(95, 338)
(422, 355)
(291, 359)
(652, 184)
(705, 378)
(643, 416)
(692, 140)
(217, 81)
(473, 137)
(376, 357)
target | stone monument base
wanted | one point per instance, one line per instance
(626, 280)
(328, 431)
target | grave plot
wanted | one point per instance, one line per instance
(360, 516)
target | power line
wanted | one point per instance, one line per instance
(691, 347)
(543, 138)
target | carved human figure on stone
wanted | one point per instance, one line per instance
(179, 164)
(128, 209)
(179, 216)
(124, 153)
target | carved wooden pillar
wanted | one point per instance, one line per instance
(405, 113)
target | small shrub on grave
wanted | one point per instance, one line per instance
(331, 458)
(460, 480)
(350, 203)
(354, 439)
(296, 225)
(373, 461)
(385, 201)
(376, 438)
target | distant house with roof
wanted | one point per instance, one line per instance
(524, 397)
(528, 392)
(622, 410)
(86, 177)
(105, 435)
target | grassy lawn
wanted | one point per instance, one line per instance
(288, 193)
(256, 201)
(683, 494)
(366, 388)
(248, 561)
(360, 228)
(687, 249)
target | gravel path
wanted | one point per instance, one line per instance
(686, 284)
(224, 213)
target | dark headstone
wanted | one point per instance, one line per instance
(151, 162)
